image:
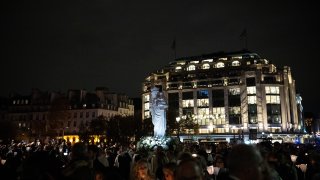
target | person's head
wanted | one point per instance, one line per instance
(189, 169)
(219, 161)
(183, 155)
(79, 151)
(92, 151)
(169, 170)
(245, 162)
(141, 169)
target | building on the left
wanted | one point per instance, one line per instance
(31, 114)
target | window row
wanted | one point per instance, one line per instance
(20, 101)
(87, 114)
(207, 66)
(272, 90)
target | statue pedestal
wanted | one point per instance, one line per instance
(149, 143)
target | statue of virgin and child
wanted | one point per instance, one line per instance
(158, 106)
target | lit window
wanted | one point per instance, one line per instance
(234, 91)
(202, 94)
(224, 59)
(181, 63)
(207, 60)
(235, 63)
(146, 114)
(220, 65)
(203, 116)
(14, 102)
(272, 90)
(251, 90)
(252, 100)
(248, 62)
(203, 112)
(146, 98)
(195, 62)
(225, 82)
(27, 101)
(272, 99)
(206, 66)
(237, 57)
(218, 115)
(178, 68)
(234, 110)
(146, 106)
(202, 102)
(188, 103)
(218, 110)
(194, 85)
(191, 68)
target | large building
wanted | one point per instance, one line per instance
(228, 93)
(31, 112)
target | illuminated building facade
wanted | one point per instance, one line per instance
(228, 93)
(31, 113)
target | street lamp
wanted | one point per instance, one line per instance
(210, 128)
(260, 127)
(178, 128)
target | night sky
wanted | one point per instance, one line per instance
(56, 45)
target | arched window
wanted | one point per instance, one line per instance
(206, 66)
(235, 63)
(178, 68)
(191, 68)
(220, 65)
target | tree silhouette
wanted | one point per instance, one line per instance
(8, 131)
(121, 128)
(186, 124)
(58, 114)
(127, 128)
(39, 127)
(172, 124)
(138, 126)
(98, 126)
(84, 134)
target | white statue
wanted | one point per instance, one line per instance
(158, 106)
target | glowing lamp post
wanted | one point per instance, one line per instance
(178, 128)
(210, 128)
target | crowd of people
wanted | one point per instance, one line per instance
(55, 160)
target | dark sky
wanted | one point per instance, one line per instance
(55, 45)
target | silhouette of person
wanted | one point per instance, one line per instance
(246, 163)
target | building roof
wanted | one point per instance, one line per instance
(219, 54)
